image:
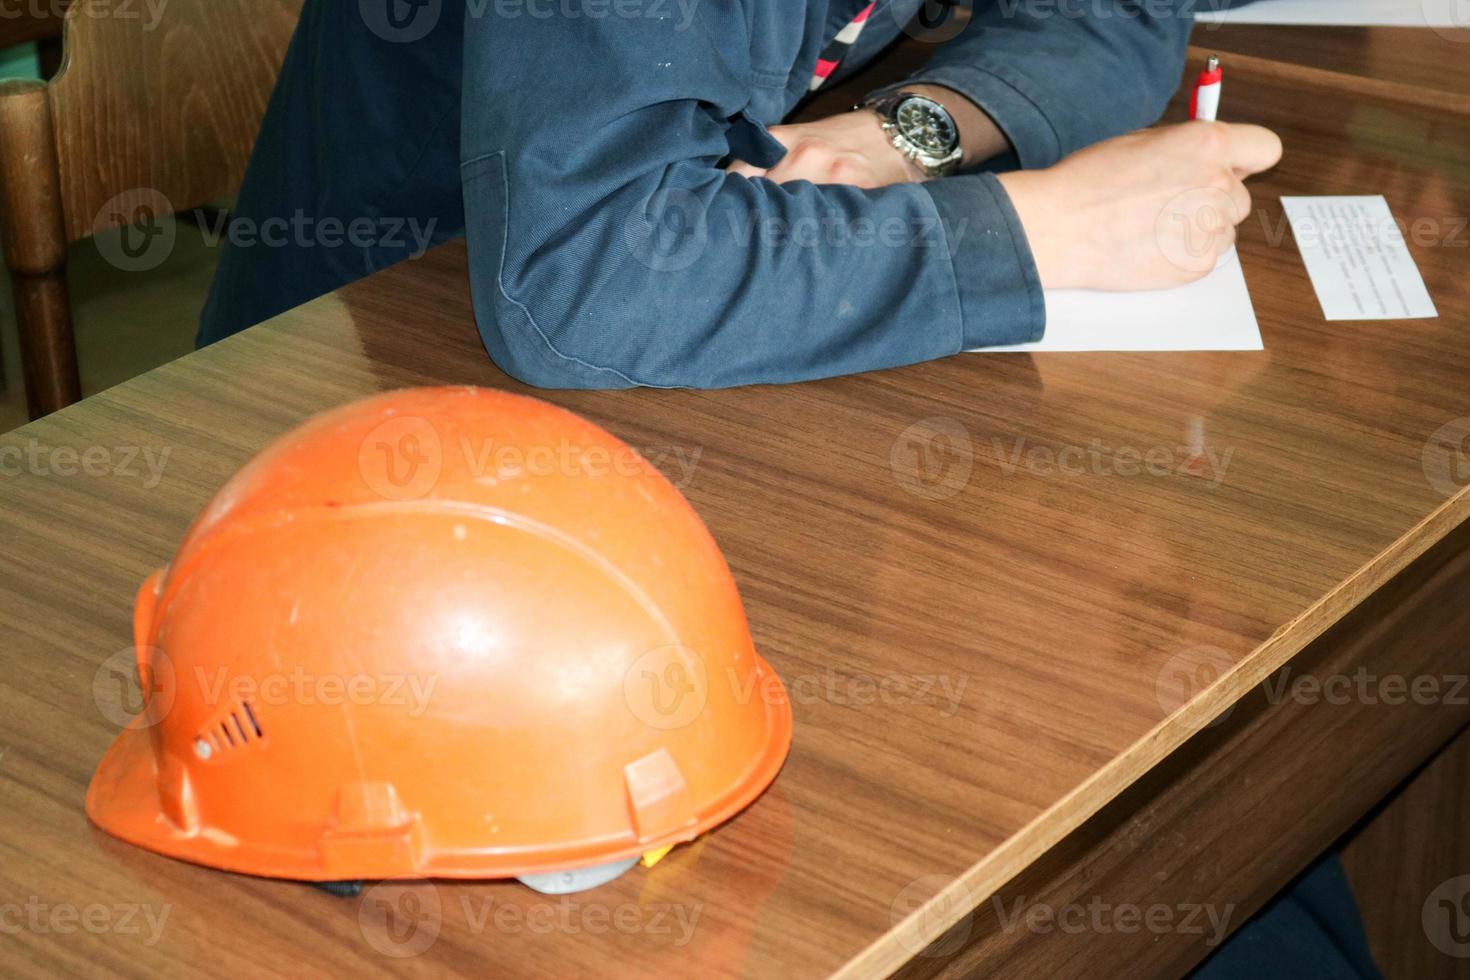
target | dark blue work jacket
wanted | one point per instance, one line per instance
(579, 144)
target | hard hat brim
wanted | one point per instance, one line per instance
(123, 800)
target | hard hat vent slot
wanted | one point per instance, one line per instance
(254, 722)
(238, 728)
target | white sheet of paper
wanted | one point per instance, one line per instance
(1350, 13)
(1213, 313)
(1355, 253)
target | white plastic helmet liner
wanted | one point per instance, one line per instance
(576, 880)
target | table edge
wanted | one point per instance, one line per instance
(985, 878)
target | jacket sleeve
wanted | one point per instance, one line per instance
(1058, 75)
(608, 248)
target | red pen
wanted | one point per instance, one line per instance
(1204, 101)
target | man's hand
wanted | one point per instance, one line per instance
(847, 149)
(1147, 210)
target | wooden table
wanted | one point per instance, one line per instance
(1024, 627)
(1407, 64)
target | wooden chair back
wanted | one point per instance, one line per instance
(154, 110)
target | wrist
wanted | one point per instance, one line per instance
(980, 138)
(880, 145)
(1045, 233)
(921, 130)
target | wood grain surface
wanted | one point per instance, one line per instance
(153, 109)
(1000, 589)
(161, 104)
(1356, 88)
(33, 232)
(1152, 884)
(1410, 858)
(1429, 61)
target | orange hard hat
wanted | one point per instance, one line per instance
(443, 632)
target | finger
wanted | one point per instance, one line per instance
(1216, 230)
(854, 170)
(784, 171)
(787, 136)
(1224, 240)
(745, 169)
(863, 180)
(805, 168)
(1250, 149)
(788, 168)
(805, 158)
(1240, 202)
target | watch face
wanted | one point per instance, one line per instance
(926, 124)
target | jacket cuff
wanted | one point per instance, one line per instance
(1003, 95)
(995, 274)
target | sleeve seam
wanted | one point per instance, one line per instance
(1013, 226)
(954, 276)
(525, 311)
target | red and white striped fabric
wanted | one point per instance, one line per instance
(834, 52)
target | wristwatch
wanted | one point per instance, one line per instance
(921, 129)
